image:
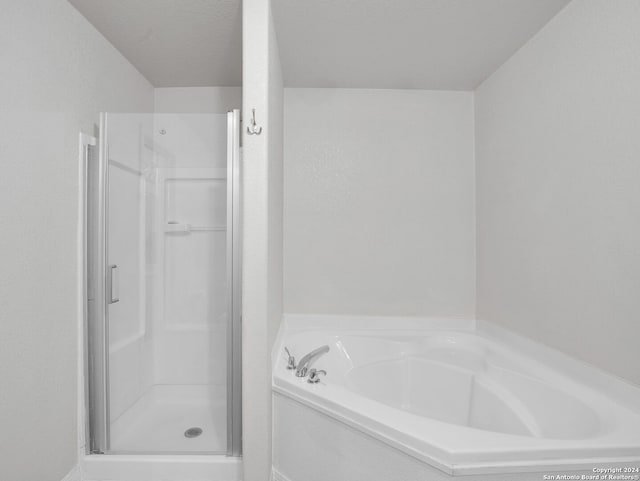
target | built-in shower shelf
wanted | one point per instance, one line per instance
(176, 228)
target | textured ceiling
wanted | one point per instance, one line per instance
(427, 44)
(174, 43)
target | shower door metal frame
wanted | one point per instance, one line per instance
(96, 287)
(234, 288)
(96, 320)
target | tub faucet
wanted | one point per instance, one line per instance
(314, 375)
(291, 361)
(303, 365)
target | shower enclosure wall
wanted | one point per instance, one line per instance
(162, 284)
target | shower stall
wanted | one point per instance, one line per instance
(162, 285)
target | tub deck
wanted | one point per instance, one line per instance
(462, 397)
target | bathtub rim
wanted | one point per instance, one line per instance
(619, 390)
(623, 391)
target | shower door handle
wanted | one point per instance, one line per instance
(113, 282)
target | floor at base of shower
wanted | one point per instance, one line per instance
(157, 422)
(151, 467)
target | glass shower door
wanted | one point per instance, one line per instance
(164, 331)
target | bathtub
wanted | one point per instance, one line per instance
(458, 397)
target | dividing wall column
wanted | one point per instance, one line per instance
(262, 231)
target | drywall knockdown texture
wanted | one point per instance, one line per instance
(558, 202)
(379, 202)
(58, 73)
(262, 232)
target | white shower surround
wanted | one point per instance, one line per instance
(565, 416)
(178, 389)
(168, 341)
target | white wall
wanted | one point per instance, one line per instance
(194, 100)
(558, 161)
(379, 202)
(262, 232)
(57, 72)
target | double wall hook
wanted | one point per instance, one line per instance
(253, 129)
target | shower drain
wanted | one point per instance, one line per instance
(192, 433)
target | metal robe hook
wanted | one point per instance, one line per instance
(253, 129)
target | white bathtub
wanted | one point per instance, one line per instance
(460, 400)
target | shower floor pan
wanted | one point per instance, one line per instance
(164, 418)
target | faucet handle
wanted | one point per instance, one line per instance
(314, 375)
(291, 361)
